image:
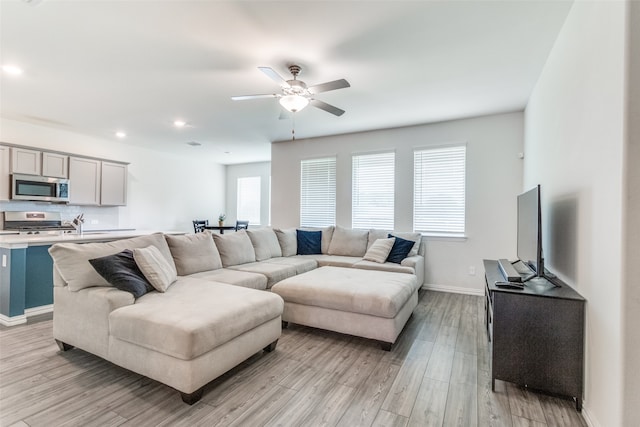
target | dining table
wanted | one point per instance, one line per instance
(220, 228)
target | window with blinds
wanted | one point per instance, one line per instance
(248, 203)
(373, 191)
(318, 192)
(439, 190)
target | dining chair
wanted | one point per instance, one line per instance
(199, 225)
(242, 225)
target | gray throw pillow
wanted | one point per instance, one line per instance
(155, 267)
(379, 251)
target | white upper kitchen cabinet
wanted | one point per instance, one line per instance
(26, 161)
(5, 187)
(84, 181)
(113, 184)
(55, 165)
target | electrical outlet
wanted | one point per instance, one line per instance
(4, 260)
(94, 222)
(472, 270)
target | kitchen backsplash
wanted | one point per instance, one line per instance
(96, 217)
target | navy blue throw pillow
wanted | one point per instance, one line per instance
(309, 242)
(400, 249)
(122, 272)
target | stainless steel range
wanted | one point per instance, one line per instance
(36, 223)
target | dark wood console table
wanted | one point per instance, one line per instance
(536, 334)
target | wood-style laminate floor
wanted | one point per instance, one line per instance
(437, 374)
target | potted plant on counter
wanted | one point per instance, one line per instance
(221, 219)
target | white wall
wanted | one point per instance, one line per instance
(261, 169)
(574, 148)
(631, 233)
(494, 174)
(165, 191)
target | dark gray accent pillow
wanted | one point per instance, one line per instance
(122, 272)
(309, 242)
(400, 249)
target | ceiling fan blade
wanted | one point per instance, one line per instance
(327, 107)
(244, 97)
(325, 87)
(274, 76)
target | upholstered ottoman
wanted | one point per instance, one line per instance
(370, 304)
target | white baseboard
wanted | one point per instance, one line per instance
(453, 289)
(43, 309)
(13, 320)
(22, 319)
(587, 418)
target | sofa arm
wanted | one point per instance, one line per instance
(81, 318)
(417, 263)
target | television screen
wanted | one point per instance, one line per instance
(529, 230)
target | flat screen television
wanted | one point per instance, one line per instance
(530, 231)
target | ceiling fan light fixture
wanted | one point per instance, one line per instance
(294, 103)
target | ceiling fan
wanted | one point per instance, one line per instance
(296, 94)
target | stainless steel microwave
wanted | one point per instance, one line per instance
(39, 188)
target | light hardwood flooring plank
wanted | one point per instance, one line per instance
(402, 395)
(560, 412)
(493, 407)
(440, 363)
(430, 404)
(370, 396)
(464, 369)
(525, 403)
(389, 419)
(462, 406)
(524, 422)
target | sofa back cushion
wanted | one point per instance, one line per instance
(235, 248)
(72, 259)
(288, 241)
(193, 253)
(348, 242)
(265, 243)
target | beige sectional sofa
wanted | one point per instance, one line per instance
(210, 317)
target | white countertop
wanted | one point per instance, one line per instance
(15, 241)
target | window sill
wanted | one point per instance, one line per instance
(445, 237)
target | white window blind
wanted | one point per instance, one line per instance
(439, 190)
(248, 204)
(318, 192)
(372, 191)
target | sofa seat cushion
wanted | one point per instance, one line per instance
(274, 272)
(375, 293)
(234, 277)
(302, 264)
(334, 260)
(387, 266)
(193, 317)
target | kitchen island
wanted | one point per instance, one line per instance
(26, 270)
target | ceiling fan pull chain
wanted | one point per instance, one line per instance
(293, 127)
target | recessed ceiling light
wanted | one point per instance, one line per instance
(179, 123)
(12, 69)
(194, 143)
(121, 134)
(227, 152)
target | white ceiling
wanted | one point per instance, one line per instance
(95, 67)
